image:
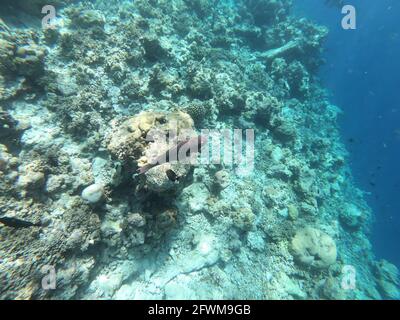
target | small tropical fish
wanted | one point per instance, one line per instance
(173, 154)
(372, 183)
(17, 223)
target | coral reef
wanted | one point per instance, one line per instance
(142, 139)
(116, 85)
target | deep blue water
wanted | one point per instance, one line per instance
(363, 75)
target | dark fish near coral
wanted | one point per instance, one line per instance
(172, 175)
(174, 154)
(17, 223)
(372, 183)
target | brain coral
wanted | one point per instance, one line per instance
(314, 248)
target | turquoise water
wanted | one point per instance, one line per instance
(198, 149)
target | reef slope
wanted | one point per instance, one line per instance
(76, 103)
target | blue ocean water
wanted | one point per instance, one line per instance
(362, 72)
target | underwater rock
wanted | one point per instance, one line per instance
(201, 7)
(314, 248)
(106, 172)
(265, 12)
(31, 177)
(178, 290)
(129, 139)
(332, 289)
(387, 278)
(153, 49)
(7, 51)
(200, 86)
(88, 18)
(55, 183)
(293, 212)
(262, 108)
(31, 180)
(21, 59)
(143, 138)
(222, 179)
(93, 193)
(29, 60)
(136, 220)
(166, 176)
(4, 157)
(194, 198)
(10, 128)
(22, 63)
(256, 241)
(243, 218)
(291, 287)
(351, 217)
(105, 285)
(228, 101)
(205, 253)
(275, 194)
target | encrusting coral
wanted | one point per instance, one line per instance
(314, 248)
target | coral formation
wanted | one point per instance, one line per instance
(142, 139)
(131, 138)
(387, 276)
(93, 193)
(314, 248)
(119, 83)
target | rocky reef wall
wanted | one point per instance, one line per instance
(76, 105)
